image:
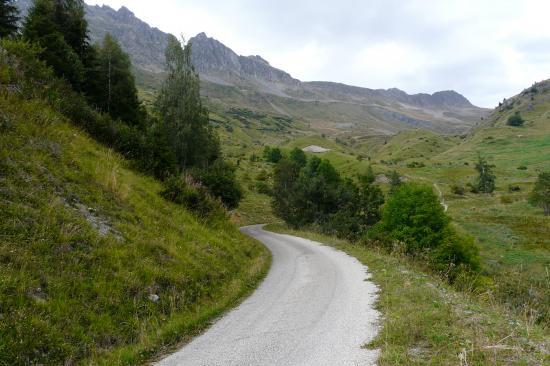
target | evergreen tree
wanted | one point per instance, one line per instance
(59, 27)
(368, 177)
(184, 118)
(113, 89)
(395, 181)
(272, 154)
(298, 156)
(9, 16)
(540, 196)
(486, 179)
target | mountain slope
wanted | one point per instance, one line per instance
(231, 80)
(331, 107)
(95, 267)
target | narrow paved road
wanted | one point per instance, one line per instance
(314, 308)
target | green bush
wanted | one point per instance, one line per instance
(184, 190)
(272, 155)
(414, 217)
(515, 120)
(458, 190)
(220, 181)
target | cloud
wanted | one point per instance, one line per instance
(486, 50)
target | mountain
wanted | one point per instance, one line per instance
(250, 82)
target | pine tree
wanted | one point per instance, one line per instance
(113, 88)
(182, 114)
(9, 16)
(486, 178)
(59, 27)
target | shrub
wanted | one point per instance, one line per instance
(522, 167)
(472, 188)
(415, 164)
(220, 181)
(540, 196)
(414, 216)
(514, 188)
(272, 155)
(515, 120)
(186, 191)
(459, 190)
(454, 255)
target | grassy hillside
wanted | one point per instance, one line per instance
(96, 266)
(513, 236)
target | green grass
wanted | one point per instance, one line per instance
(513, 236)
(427, 322)
(70, 294)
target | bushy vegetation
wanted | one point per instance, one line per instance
(311, 192)
(94, 87)
(415, 218)
(515, 120)
(272, 154)
(540, 196)
(186, 191)
(486, 179)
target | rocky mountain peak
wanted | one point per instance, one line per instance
(125, 12)
(213, 59)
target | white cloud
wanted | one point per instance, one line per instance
(486, 50)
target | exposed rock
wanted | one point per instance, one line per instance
(315, 149)
(153, 297)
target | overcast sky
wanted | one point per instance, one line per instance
(484, 49)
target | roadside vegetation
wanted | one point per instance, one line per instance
(426, 321)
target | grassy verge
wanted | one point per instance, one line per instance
(95, 267)
(427, 322)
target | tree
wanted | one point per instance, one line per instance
(298, 156)
(272, 155)
(395, 181)
(59, 27)
(285, 175)
(368, 177)
(540, 196)
(515, 120)
(179, 106)
(486, 179)
(114, 90)
(371, 200)
(9, 16)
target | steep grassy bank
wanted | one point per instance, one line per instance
(95, 266)
(427, 322)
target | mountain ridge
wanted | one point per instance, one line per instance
(230, 80)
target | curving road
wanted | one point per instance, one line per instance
(315, 307)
